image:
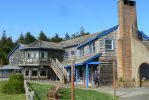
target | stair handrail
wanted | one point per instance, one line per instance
(59, 72)
(63, 69)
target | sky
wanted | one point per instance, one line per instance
(61, 16)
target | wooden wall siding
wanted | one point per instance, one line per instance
(100, 46)
(108, 53)
(69, 49)
(17, 55)
(146, 43)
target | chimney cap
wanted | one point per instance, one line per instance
(128, 2)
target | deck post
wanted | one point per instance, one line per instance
(76, 76)
(86, 76)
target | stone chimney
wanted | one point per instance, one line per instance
(127, 29)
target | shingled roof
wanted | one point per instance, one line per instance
(77, 41)
(45, 45)
(80, 61)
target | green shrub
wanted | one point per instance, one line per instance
(18, 77)
(15, 85)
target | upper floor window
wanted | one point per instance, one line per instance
(72, 52)
(109, 44)
(12, 59)
(42, 54)
(28, 55)
(92, 47)
(34, 54)
(82, 51)
(66, 54)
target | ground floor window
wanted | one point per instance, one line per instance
(27, 73)
(43, 72)
(34, 72)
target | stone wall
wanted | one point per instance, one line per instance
(140, 55)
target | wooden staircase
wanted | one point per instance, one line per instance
(106, 74)
(60, 71)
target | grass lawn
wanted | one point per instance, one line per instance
(80, 94)
(10, 97)
(41, 90)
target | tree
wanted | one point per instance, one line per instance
(4, 38)
(56, 38)
(75, 35)
(82, 31)
(43, 37)
(21, 39)
(67, 36)
(29, 38)
(6, 46)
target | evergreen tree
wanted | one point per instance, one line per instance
(29, 38)
(43, 37)
(10, 42)
(67, 36)
(56, 38)
(3, 39)
(21, 39)
(6, 46)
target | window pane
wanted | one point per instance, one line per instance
(108, 44)
(27, 73)
(43, 73)
(108, 47)
(66, 54)
(34, 73)
(72, 52)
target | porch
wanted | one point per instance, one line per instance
(84, 69)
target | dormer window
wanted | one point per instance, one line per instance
(109, 44)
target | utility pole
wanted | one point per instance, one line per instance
(72, 79)
(114, 79)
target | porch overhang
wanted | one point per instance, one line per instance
(88, 61)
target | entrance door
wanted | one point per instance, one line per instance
(144, 75)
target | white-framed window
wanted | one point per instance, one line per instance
(26, 72)
(34, 55)
(34, 72)
(92, 47)
(82, 51)
(109, 44)
(66, 55)
(29, 55)
(44, 55)
(43, 72)
(12, 59)
(72, 52)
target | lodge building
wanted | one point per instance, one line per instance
(124, 44)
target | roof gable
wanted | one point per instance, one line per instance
(98, 36)
(18, 46)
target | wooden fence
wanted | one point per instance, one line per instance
(30, 95)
